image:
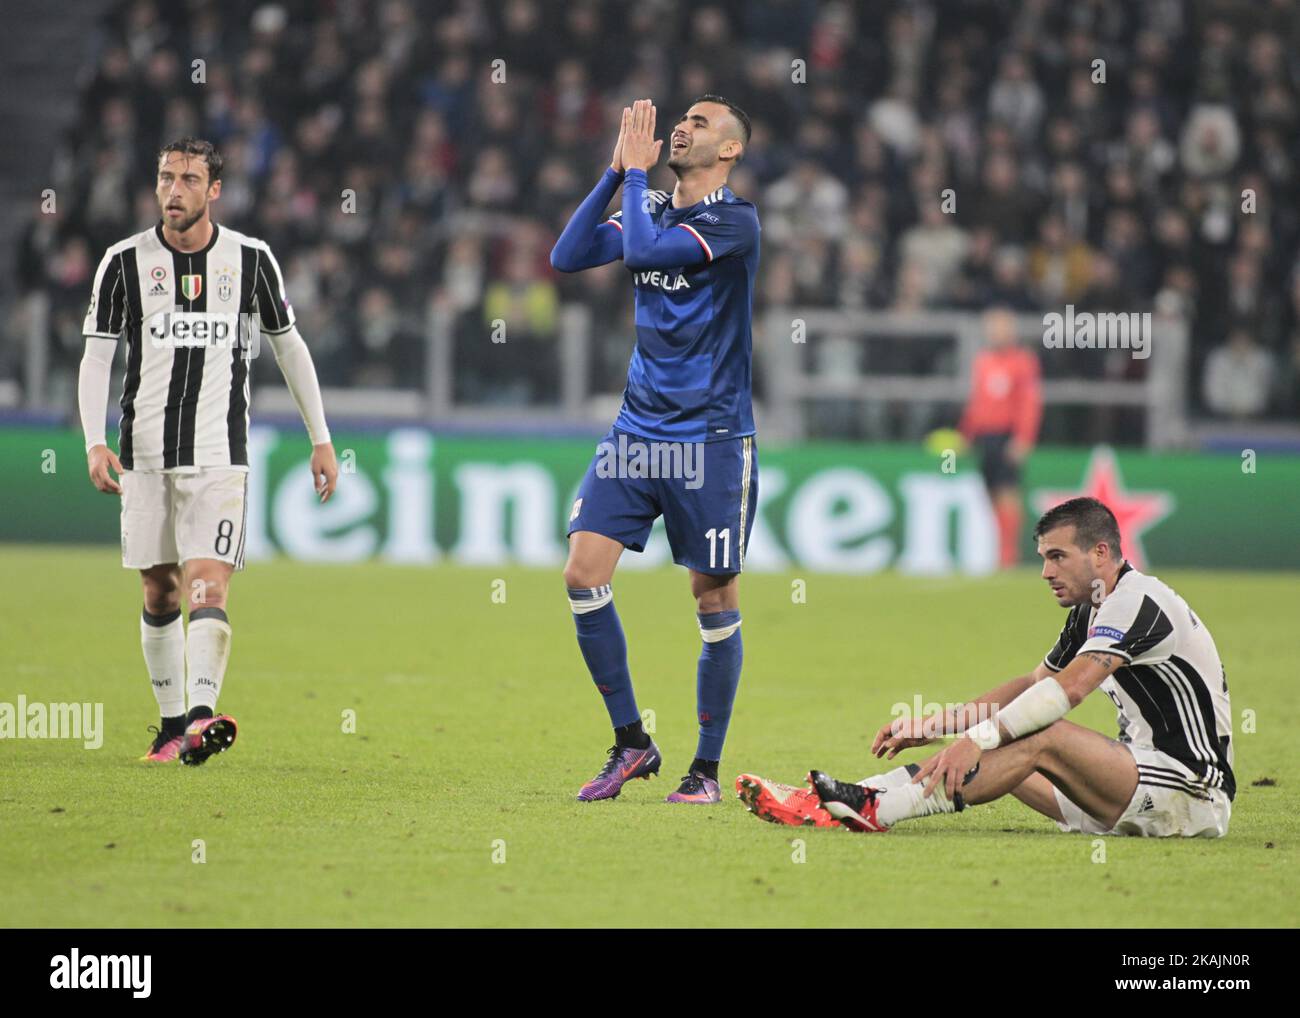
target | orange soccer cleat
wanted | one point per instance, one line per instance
(782, 804)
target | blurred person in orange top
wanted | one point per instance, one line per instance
(1001, 421)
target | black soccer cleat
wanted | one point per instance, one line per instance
(852, 805)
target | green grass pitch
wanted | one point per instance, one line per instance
(476, 724)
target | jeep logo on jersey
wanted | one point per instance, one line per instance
(192, 286)
(219, 330)
(663, 280)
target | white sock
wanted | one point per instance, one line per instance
(207, 649)
(896, 778)
(162, 638)
(908, 801)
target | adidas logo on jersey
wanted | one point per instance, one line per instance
(1147, 805)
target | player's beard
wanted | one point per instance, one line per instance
(1078, 594)
(187, 221)
(685, 161)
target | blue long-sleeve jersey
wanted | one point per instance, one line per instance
(693, 269)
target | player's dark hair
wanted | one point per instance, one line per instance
(741, 116)
(197, 147)
(1093, 523)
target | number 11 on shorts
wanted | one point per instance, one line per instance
(713, 534)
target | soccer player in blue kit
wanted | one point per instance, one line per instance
(693, 257)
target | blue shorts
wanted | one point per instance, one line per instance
(706, 492)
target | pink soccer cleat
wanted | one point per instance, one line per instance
(165, 747)
(624, 764)
(696, 788)
(205, 737)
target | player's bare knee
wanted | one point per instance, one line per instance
(162, 604)
(572, 574)
(715, 593)
(211, 597)
(720, 599)
(206, 587)
(162, 589)
(578, 575)
(207, 592)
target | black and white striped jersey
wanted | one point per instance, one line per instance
(1171, 692)
(190, 322)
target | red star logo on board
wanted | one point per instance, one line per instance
(1135, 511)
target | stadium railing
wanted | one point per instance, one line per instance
(793, 384)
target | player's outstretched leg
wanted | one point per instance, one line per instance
(1096, 773)
(800, 807)
(855, 806)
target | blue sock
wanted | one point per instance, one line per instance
(716, 680)
(600, 636)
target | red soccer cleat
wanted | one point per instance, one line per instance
(782, 804)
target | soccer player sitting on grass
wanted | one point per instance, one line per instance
(1168, 774)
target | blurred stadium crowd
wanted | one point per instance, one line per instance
(1125, 195)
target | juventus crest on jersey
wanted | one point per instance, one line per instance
(191, 322)
(1171, 692)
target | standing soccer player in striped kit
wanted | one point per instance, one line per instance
(693, 258)
(191, 298)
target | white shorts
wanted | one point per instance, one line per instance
(1159, 810)
(175, 517)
